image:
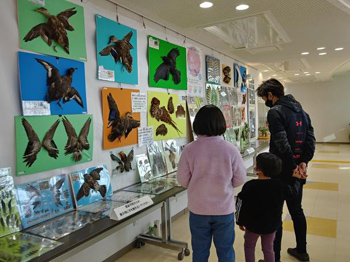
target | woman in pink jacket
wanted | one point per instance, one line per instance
(210, 168)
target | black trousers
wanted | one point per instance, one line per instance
(299, 222)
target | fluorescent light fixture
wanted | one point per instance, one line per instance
(305, 53)
(317, 73)
(242, 7)
(296, 74)
(274, 75)
(206, 5)
(306, 72)
(320, 48)
(322, 53)
(339, 48)
(266, 71)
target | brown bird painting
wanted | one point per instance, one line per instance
(227, 74)
(170, 105)
(161, 114)
(76, 144)
(91, 183)
(121, 126)
(161, 130)
(34, 144)
(124, 162)
(55, 29)
(169, 67)
(120, 51)
(60, 86)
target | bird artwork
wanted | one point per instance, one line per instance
(169, 67)
(161, 114)
(120, 51)
(34, 143)
(121, 125)
(180, 111)
(171, 148)
(124, 161)
(226, 74)
(55, 29)
(91, 183)
(60, 87)
(56, 190)
(76, 144)
(161, 130)
(170, 105)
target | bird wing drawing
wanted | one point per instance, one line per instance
(72, 137)
(110, 50)
(56, 191)
(169, 67)
(83, 135)
(83, 191)
(120, 163)
(54, 29)
(33, 146)
(114, 115)
(73, 94)
(48, 142)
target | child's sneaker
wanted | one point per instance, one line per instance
(303, 257)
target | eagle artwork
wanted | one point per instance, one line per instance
(55, 29)
(121, 125)
(120, 51)
(169, 67)
(35, 144)
(60, 87)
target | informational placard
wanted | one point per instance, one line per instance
(105, 74)
(145, 135)
(139, 102)
(131, 208)
(34, 108)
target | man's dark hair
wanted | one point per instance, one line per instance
(209, 121)
(269, 164)
(272, 85)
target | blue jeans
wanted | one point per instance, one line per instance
(220, 228)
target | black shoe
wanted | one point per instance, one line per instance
(303, 257)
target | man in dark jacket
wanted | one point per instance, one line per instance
(292, 139)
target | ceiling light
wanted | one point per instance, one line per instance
(306, 72)
(317, 73)
(305, 53)
(274, 75)
(242, 7)
(339, 49)
(266, 70)
(320, 48)
(296, 74)
(206, 5)
(322, 53)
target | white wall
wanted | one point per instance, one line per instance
(328, 104)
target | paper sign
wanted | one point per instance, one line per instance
(131, 208)
(105, 74)
(39, 2)
(153, 43)
(145, 135)
(33, 108)
(249, 150)
(139, 102)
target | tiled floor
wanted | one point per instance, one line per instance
(326, 203)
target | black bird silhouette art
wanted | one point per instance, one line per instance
(76, 144)
(91, 183)
(55, 29)
(121, 126)
(120, 51)
(124, 162)
(34, 144)
(60, 86)
(169, 67)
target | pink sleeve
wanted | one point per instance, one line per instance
(239, 170)
(183, 170)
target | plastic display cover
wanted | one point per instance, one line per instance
(22, 247)
(172, 154)
(104, 206)
(157, 159)
(91, 185)
(156, 187)
(64, 225)
(9, 217)
(126, 196)
(144, 167)
(44, 199)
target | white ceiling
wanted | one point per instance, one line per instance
(307, 23)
